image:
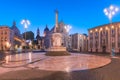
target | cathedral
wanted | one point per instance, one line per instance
(39, 40)
(62, 30)
(43, 42)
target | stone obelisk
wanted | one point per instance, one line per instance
(56, 29)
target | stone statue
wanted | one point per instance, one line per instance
(56, 40)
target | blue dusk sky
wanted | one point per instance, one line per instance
(80, 14)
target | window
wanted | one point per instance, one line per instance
(5, 32)
(5, 39)
(113, 45)
(106, 37)
(113, 33)
(118, 44)
(91, 45)
(119, 41)
(96, 44)
(101, 38)
(96, 35)
(2, 33)
(91, 34)
(103, 32)
(119, 30)
(1, 38)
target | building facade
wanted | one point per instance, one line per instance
(79, 42)
(105, 38)
(6, 38)
(10, 37)
(40, 40)
(46, 37)
(17, 37)
(62, 30)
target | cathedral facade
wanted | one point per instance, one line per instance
(62, 30)
(39, 41)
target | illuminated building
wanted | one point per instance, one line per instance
(79, 42)
(10, 37)
(105, 37)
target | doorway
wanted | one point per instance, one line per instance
(91, 50)
(96, 50)
(80, 49)
(104, 49)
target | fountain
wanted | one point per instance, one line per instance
(56, 44)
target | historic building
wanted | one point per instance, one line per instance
(46, 37)
(17, 37)
(6, 38)
(79, 42)
(105, 37)
(40, 40)
(61, 29)
(10, 37)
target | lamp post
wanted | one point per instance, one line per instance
(25, 23)
(110, 12)
(8, 46)
(67, 28)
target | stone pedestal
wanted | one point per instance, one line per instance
(56, 40)
(56, 48)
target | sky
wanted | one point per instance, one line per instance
(80, 14)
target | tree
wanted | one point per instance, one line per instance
(29, 35)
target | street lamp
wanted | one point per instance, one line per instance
(110, 12)
(67, 28)
(25, 23)
(8, 45)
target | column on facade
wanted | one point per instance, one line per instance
(109, 39)
(50, 41)
(78, 43)
(116, 38)
(99, 41)
(82, 43)
(88, 42)
(93, 41)
(85, 42)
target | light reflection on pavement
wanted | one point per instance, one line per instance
(52, 63)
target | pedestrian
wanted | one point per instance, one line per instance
(113, 52)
